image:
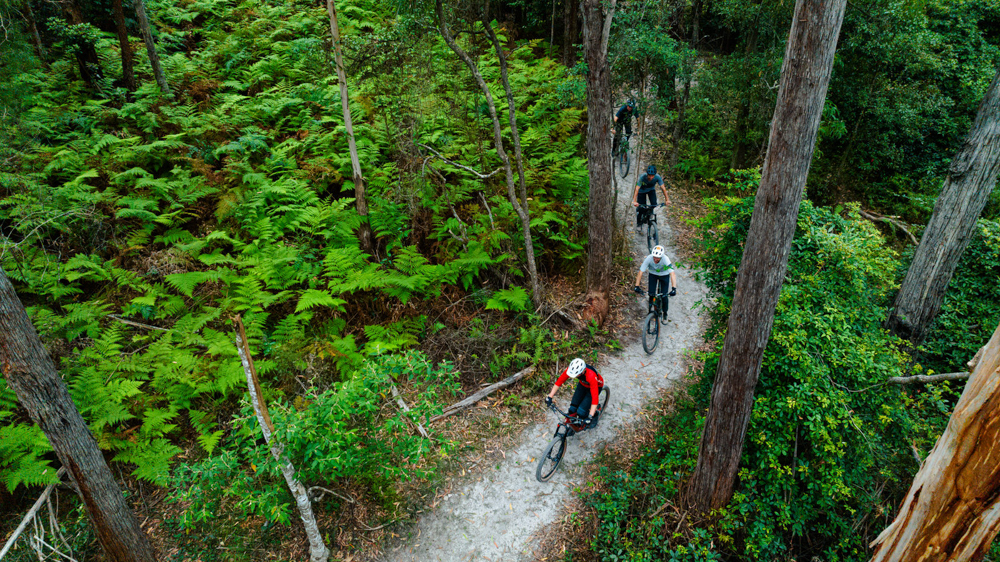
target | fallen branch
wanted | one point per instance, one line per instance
(31, 513)
(137, 324)
(891, 220)
(928, 378)
(476, 173)
(466, 403)
(406, 409)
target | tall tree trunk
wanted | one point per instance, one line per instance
(36, 39)
(536, 288)
(128, 70)
(952, 511)
(360, 202)
(971, 178)
(31, 373)
(147, 37)
(86, 53)
(596, 31)
(519, 208)
(805, 75)
(571, 15)
(318, 552)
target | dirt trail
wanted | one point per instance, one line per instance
(496, 517)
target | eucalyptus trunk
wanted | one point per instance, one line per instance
(36, 39)
(571, 16)
(596, 31)
(32, 375)
(971, 178)
(805, 75)
(360, 202)
(128, 58)
(952, 511)
(147, 37)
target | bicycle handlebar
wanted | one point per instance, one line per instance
(652, 206)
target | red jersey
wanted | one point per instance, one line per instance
(591, 379)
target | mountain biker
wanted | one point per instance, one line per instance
(624, 118)
(586, 395)
(658, 265)
(645, 189)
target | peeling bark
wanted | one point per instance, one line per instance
(952, 511)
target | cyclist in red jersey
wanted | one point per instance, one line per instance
(584, 402)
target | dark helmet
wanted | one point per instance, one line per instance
(651, 170)
(630, 103)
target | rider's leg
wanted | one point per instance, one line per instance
(579, 395)
(618, 137)
(640, 214)
(656, 284)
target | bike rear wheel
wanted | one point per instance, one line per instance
(551, 458)
(603, 399)
(623, 162)
(650, 333)
(652, 235)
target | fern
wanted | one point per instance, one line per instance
(514, 299)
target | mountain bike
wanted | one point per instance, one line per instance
(651, 325)
(556, 450)
(620, 157)
(647, 217)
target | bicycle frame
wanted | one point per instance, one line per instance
(565, 424)
(649, 216)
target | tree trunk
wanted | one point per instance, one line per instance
(31, 373)
(596, 30)
(86, 53)
(971, 178)
(571, 15)
(360, 202)
(36, 39)
(128, 71)
(536, 290)
(805, 75)
(952, 511)
(521, 210)
(147, 37)
(318, 552)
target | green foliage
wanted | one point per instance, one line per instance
(828, 451)
(969, 313)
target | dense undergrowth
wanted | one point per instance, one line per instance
(135, 226)
(830, 448)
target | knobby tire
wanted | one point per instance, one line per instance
(652, 235)
(547, 466)
(650, 333)
(623, 163)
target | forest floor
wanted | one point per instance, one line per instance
(502, 513)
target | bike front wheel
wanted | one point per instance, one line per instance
(650, 333)
(623, 162)
(652, 236)
(551, 458)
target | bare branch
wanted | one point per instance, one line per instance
(476, 173)
(891, 220)
(928, 378)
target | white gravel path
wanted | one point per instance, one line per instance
(495, 517)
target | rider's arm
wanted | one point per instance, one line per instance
(663, 187)
(638, 279)
(635, 195)
(673, 279)
(594, 391)
(559, 382)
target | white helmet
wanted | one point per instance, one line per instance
(576, 368)
(657, 251)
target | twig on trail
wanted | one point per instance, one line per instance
(891, 220)
(466, 403)
(477, 173)
(137, 324)
(928, 378)
(406, 409)
(331, 492)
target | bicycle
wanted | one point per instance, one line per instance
(658, 307)
(648, 218)
(554, 452)
(620, 157)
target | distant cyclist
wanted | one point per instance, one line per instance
(645, 190)
(624, 119)
(659, 267)
(585, 397)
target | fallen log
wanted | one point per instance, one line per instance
(468, 402)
